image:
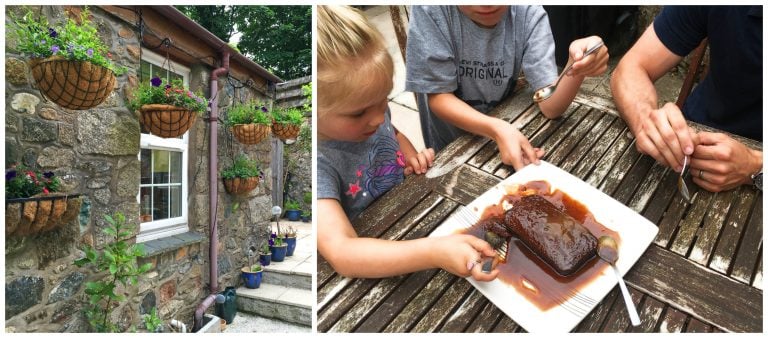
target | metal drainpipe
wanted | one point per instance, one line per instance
(213, 189)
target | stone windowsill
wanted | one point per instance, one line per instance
(159, 246)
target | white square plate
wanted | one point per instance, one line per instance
(637, 232)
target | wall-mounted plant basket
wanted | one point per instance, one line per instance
(251, 133)
(285, 131)
(36, 215)
(74, 85)
(165, 120)
(239, 185)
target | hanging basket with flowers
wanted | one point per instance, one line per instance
(286, 123)
(32, 203)
(242, 177)
(249, 122)
(167, 110)
(70, 63)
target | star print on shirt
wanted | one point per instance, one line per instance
(354, 188)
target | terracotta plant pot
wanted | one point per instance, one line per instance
(36, 215)
(250, 133)
(165, 120)
(239, 186)
(285, 131)
(74, 85)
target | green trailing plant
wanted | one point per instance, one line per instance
(120, 260)
(174, 93)
(74, 40)
(292, 204)
(307, 197)
(242, 167)
(248, 112)
(306, 213)
(152, 321)
(287, 115)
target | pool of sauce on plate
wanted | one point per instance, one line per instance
(529, 274)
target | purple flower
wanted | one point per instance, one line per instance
(52, 33)
(48, 174)
(10, 175)
(54, 49)
(156, 82)
(42, 42)
(271, 242)
(89, 52)
(273, 235)
(264, 108)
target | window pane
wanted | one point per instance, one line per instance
(161, 203)
(146, 204)
(146, 169)
(160, 166)
(176, 201)
(175, 167)
(145, 71)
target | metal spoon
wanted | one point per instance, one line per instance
(608, 251)
(681, 186)
(544, 93)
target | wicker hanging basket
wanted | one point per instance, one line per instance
(36, 215)
(285, 131)
(252, 133)
(240, 186)
(74, 85)
(165, 120)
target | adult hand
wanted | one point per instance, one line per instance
(592, 65)
(720, 163)
(462, 255)
(419, 163)
(514, 147)
(665, 136)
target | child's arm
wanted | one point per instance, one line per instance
(361, 257)
(416, 162)
(514, 147)
(593, 65)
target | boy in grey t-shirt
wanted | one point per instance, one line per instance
(464, 60)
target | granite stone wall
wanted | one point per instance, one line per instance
(94, 152)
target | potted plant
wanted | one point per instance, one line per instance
(306, 215)
(69, 62)
(242, 177)
(249, 122)
(167, 110)
(286, 123)
(292, 210)
(252, 275)
(277, 247)
(289, 236)
(265, 256)
(33, 204)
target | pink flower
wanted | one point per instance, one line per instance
(45, 190)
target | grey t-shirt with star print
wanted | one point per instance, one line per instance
(356, 173)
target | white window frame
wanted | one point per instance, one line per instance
(177, 225)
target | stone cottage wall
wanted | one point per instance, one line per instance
(94, 152)
(297, 157)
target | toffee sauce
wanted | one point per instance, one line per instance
(524, 270)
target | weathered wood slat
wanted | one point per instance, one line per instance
(682, 242)
(553, 130)
(707, 235)
(486, 320)
(489, 150)
(505, 325)
(359, 310)
(673, 321)
(386, 210)
(702, 293)
(618, 319)
(616, 174)
(420, 304)
(604, 164)
(394, 304)
(465, 312)
(647, 188)
(748, 254)
(649, 315)
(697, 326)
(758, 280)
(631, 181)
(672, 217)
(328, 317)
(324, 271)
(597, 151)
(725, 251)
(465, 184)
(555, 155)
(585, 143)
(595, 319)
(433, 319)
(657, 206)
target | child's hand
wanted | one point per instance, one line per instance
(462, 255)
(419, 163)
(514, 147)
(592, 65)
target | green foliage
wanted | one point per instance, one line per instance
(308, 197)
(248, 112)
(292, 205)
(306, 213)
(216, 19)
(119, 260)
(256, 267)
(152, 321)
(37, 38)
(287, 115)
(175, 94)
(275, 240)
(307, 91)
(242, 167)
(22, 181)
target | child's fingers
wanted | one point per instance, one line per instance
(408, 170)
(430, 154)
(481, 276)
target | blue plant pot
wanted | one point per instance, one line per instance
(252, 280)
(265, 259)
(293, 215)
(291, 241)
(306, 219)
(278, 252)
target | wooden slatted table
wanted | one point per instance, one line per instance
(703, 273)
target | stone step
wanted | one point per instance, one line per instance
(295, 271)
(277, 301)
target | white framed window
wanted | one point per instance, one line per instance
(164, 183)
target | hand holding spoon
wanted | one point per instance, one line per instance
(544, 93)
(608, 251)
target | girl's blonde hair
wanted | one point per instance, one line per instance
(352, 58)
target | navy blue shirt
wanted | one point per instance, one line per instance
(730, 97)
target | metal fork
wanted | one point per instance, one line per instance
(681, 186)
